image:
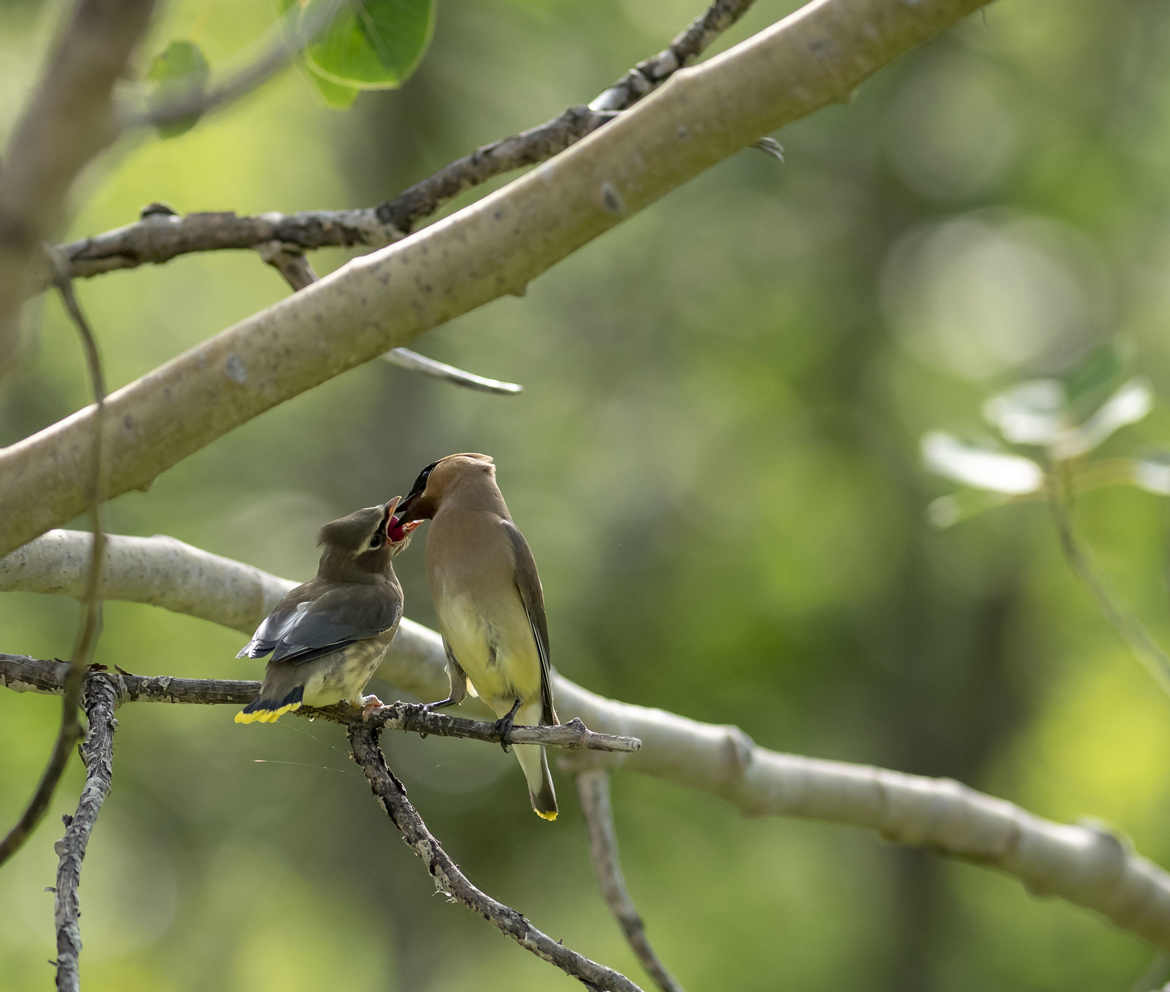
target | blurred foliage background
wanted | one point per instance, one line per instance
(715, 459)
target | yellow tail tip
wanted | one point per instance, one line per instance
(266, 716)
(546, 816)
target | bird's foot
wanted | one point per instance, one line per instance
(440, 703)
(504, 726)
(370, 705)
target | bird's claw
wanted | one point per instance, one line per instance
(370, 705)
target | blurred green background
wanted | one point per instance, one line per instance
(715, 460)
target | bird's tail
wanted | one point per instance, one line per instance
(267, 708)
(534, 764)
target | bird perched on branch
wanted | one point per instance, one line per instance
(328, 636)
(489, 603)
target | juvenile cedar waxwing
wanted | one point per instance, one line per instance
(489, 603)
(327, 636)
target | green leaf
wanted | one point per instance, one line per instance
(980, 467)
(371, 44)
(335, 94)
(1088, 383)
(180, 70)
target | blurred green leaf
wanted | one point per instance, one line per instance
(980, 467)
(179, 70)
(371, 44)
(334, 94)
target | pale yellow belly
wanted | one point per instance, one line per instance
(344, 675)
(499, 658)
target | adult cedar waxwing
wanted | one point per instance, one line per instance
(489, 603)
(327, 636)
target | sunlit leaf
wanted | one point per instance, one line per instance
(178, 71)
(370, 44)
(1152, 473)
(334, 94)
(1034, 412)
(1128, 405)
(983, 468)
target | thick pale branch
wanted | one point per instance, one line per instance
(1082, 864)
(295, 269)
(593, 788)
(491, 248)
(97, 752)
(66, 122)
(451, 881)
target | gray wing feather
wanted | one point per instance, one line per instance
(299, 632)
(532, 597)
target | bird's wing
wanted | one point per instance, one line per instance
(532, 596)
(340, 615)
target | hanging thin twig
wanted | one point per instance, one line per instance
(90, 629)
(450, 880)
(593, 788)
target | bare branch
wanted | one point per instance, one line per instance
(90, 627)
(22, 674)
(687, 47)
(289, 38)
(298, 273)
(375, 227)
(97, 752)
(593, 788)
(65, 124)
(492, 248)
(449, 880)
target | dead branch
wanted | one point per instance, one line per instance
(23, 674)
(593, 788)
(97, 752)
(451, 881)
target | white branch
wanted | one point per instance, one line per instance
(494, 247)
(1083, 864)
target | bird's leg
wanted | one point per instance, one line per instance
(458, 682)
(504, 725)
(440, 703)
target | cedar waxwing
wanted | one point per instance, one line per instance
(489, 603)
(327, 636)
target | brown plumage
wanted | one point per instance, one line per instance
(328, 635)
(489, 603)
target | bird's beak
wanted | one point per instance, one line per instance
(403, 507)
(398, 530)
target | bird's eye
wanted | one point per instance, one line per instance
(376, 540)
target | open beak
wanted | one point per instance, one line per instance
(404, 506)
(396, 530)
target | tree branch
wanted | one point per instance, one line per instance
(593, 788)
(295, 269)
(491, 248)
(449, 880)
(1083, 864)
(149, 242)
(23, 674)
(67, 121)
(97, 751)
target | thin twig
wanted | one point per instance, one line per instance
(298, 273)
(42, 675)
(451, 881)
(1133, 632)
(593, 788)
(154, 240)
(97, 752)
(91, 607)
(288, 40)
